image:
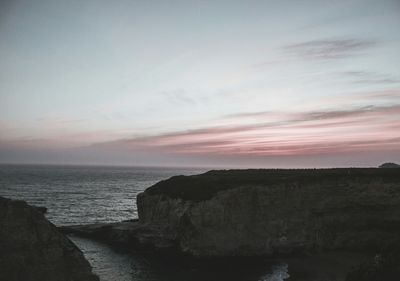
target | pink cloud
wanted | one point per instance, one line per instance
(298, 133)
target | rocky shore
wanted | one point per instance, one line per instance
(249, 213)
(32, 249)
(151, 238)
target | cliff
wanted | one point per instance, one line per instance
(32, 249)
(264, 212)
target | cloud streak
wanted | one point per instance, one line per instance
(274, 134)
(328, 49)
(366, 77)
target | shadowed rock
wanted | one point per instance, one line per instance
(265, 212)
(32, 249)
(41, 209)
(132, 234)
(383, 266)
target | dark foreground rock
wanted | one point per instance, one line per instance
(31, 248)
(41, 209)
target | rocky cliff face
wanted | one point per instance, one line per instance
(32, 249)
(257, 212)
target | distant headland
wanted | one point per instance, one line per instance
(389, 165)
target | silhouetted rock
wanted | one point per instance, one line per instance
(32, 249)
(389, 165)
(41, 209)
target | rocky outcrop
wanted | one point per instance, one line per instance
(263, 212)
(389, 165)
(132, 234)
(32, 249)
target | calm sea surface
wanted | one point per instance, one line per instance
(81, 194)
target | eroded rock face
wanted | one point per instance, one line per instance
(32, 249)
(257, 212)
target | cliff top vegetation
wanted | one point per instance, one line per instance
(204, 186)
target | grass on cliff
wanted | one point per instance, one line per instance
(204, 186)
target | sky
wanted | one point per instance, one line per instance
(307, 83)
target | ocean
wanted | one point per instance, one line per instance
(83, 194)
